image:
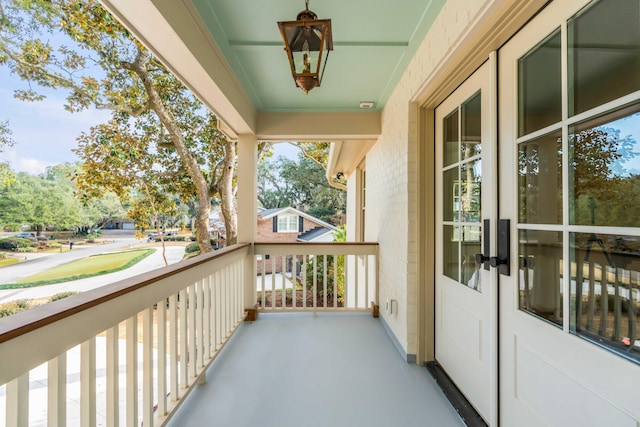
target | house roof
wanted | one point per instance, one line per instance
(270, 213)
(314, 234)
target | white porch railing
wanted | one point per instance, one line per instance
(187, 312)
(131, 352)
(316, 276)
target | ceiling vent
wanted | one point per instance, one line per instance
(367, 104)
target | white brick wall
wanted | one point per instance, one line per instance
(392, 173)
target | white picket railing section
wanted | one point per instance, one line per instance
(130, 352)
(317, 276)
(171, 322)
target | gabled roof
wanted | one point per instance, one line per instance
(270, 213)
(315, 234)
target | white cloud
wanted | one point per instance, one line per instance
(32, 166)
(26, 164)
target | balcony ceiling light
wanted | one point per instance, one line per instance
(307, 41)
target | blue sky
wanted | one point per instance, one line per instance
(45, 133)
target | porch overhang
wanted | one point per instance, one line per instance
(235, 66)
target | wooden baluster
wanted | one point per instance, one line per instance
(207, 317)
(147, 367)
(604, 301)
(579, 280)
(325, 281)
(315, 281)
(17, 402)
(192, 357)
(632, 312)
(161, 327)
(184, 349)
(57, 391)
(113, 376)
(174, 359)
(132, 371)
(591, 312)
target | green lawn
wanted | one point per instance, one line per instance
(81, 269)
(8, 261)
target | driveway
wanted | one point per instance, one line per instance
(270, 279)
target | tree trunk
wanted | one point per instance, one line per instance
(188, 161)
(226, 194)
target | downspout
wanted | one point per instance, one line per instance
(331, 176)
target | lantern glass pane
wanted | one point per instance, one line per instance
(305, 62)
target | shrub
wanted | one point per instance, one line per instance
(13, 307)
(192, 238)
(40, 244)
(331, 265)
(61, 295)
(14, 243)
(191, 248)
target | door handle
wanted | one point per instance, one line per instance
(486, 236)
(503, 260)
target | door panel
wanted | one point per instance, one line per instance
(465, 291)
(569, 348)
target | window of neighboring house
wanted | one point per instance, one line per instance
(287, 223)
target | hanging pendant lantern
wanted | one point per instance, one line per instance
(307, 41)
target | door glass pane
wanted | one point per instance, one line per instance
(605, 290)
(450, 143)
(540, 274)
(604, 173)
(471, 127)
(604, 54)
(451, 259)
(540, 180)
(539, 86)
(451, 206)
(470, 247)
(470, 191)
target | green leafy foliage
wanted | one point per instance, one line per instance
(191, 248)
(48, 200)
(13, 307)
(300, 183)
(14, 243)
(161, 141)
(61, 295)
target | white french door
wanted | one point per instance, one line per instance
(569, 127)
(465, 291)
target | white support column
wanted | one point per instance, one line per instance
(247, 208)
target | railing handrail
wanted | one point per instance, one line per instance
(316, 248)
(40, 330)
(26, 321)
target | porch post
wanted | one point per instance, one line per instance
(247, 208)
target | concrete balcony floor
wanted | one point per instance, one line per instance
(334, 370)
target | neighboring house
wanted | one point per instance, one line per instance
(292, 225)
(119, 224)
(288, 225)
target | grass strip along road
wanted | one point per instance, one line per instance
(91, 266)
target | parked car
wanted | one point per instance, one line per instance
(25, 235)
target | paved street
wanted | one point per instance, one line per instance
(37, 264)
